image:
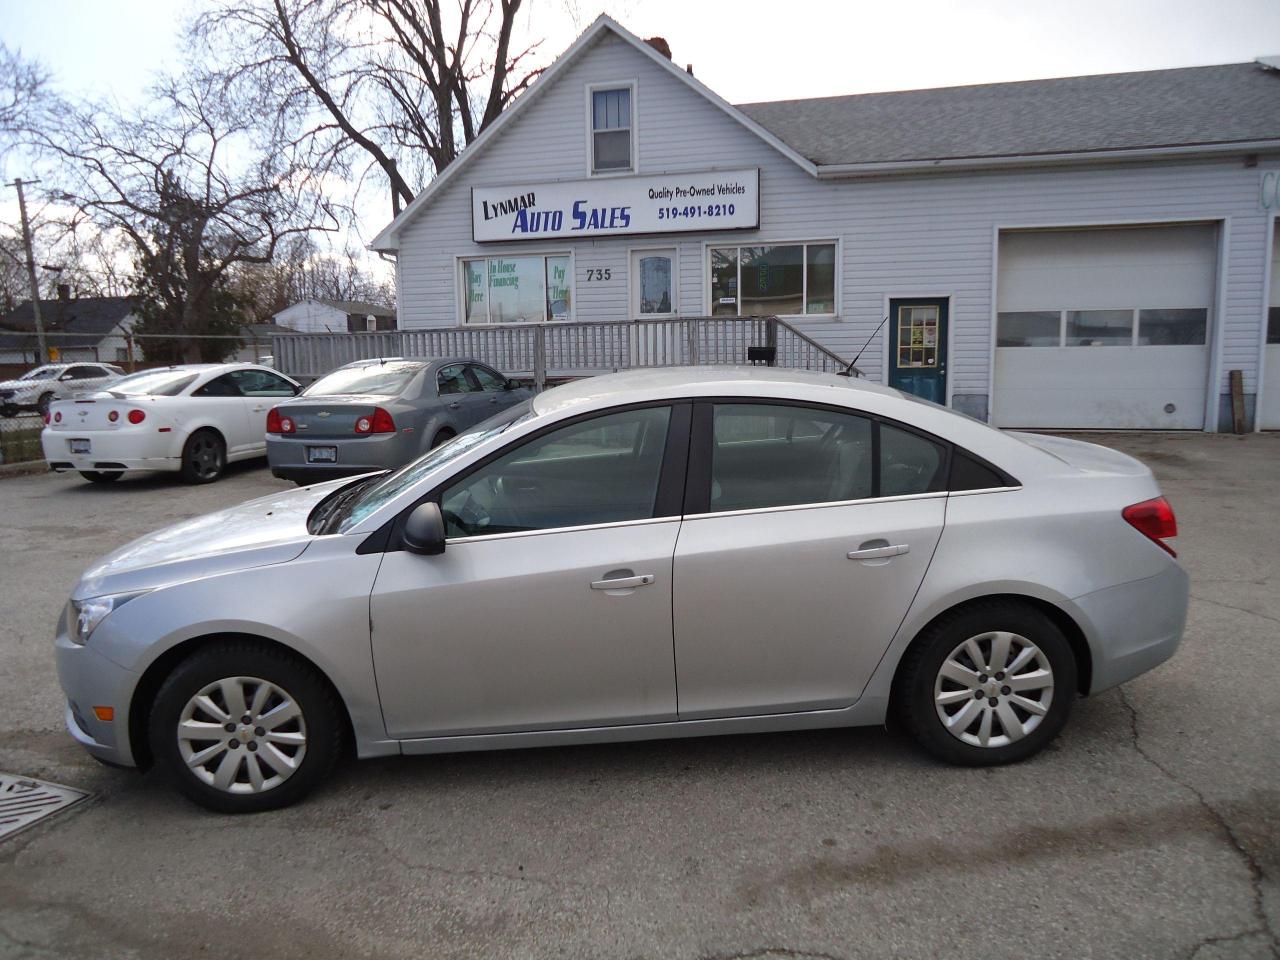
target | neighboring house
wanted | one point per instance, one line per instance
(1082, 252)
(78, 328)
(337, 316)
(256, 341)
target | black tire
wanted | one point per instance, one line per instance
(42, 405)
(442, 436)
(322, 724)
(102, 476)
(914, 693)
(204, 457)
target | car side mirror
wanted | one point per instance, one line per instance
(424, 530)
(65, 376)
(510, 384)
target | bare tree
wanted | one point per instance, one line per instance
(389, 82)
(23, 85)
(301, 271)
(185, 183)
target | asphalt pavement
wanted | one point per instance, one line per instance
(1150, 828)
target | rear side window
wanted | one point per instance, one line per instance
(909, 463)
(772, 456)
(968, 473)
(223, 386)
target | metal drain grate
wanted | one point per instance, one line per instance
(24, 801)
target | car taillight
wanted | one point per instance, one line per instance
(377, 422)
(113, 416)
(57, 417)
(1153, 519)
(136, 416)
(278, 424)
(47, 418)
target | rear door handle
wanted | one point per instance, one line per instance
(880, 553)
(454, 405)
(623, 583)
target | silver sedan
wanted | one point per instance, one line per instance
(651, 554)
(378, 414)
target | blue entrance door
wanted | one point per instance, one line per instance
(918, 347)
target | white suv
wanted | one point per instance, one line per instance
(37, 388)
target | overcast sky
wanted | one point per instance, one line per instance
(748, 50)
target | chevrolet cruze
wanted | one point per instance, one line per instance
(649, 554)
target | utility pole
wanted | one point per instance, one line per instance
(31, 267)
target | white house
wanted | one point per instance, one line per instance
(337, 316)
(1084, 252)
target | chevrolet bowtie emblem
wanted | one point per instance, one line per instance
(323, 413)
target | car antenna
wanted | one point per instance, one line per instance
(848, 371)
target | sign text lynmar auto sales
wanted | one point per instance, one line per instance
(666, 203)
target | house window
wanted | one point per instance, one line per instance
(516, 289)
(611, 127)
(786, 280)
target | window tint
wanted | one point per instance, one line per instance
(83, 373)
(453, 379)
(162, 383)
(770, 456)
(968, 474)
(223, 386)
(604, 470)
(375, 379)
(487, 379)
(260, 383)
(909, 463)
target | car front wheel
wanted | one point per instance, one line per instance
(240, 728)
(992, 683)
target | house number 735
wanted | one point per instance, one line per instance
(598, 274)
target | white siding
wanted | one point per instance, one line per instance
(312, 317)
(918, 235)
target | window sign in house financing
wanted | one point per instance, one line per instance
(608, 206)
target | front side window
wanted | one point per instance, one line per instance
(488, 380)
(516, 289)
(603, 470)
(772, 456)
(611, 130)
(774, 280)
(260, 383)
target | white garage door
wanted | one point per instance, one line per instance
(1104, 328)
(1269, 408)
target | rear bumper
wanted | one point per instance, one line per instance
(1136, 626)
(356, 455)
(109, 450)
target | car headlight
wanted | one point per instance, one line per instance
(85, 615)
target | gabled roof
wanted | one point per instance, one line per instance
(359, 306)
(1236, 103)
(86, 320)
(387, 238)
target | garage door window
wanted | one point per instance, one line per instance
(1099, 328)
(1172, 327)
(1030, 328)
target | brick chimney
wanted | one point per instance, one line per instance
(660, 44)
(64, 292)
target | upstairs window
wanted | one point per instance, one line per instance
(611, 126)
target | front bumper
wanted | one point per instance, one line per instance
(356, 455)
(109, 450)
(1136, 626)
(91, 680)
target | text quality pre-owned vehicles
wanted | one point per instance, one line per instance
(191, 419)
(815, 551)
(376, 414)
(37, 388)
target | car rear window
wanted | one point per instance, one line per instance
(154, 383)
(378, 380)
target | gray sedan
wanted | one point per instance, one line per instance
(377, 414)
(652, 554)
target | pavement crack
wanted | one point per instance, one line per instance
(1232, 606)
(764, 953)
(1256, 873)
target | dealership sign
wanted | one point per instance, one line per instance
(616, 206)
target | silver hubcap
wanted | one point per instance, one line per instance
(993, 689)
(242, 735)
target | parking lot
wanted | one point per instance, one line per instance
(1151, 828)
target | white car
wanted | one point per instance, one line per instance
(192, 419)
(37, 388)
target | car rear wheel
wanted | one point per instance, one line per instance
(204, 457)
(42, 405)
(992, 683)
(443, 436)
(102, 476)
(240, 728)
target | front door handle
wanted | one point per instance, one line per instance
(880, 553)
(623, 583)
(454, 405)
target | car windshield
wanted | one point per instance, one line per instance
(153, 383)
(40, 373)
(379, 380)
(393, 484)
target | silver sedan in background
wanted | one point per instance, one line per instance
(378, 414)
(662, 553)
